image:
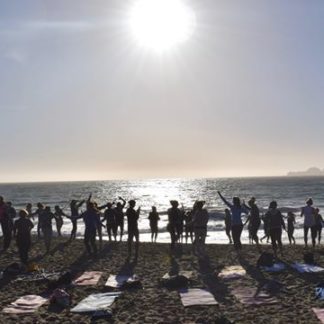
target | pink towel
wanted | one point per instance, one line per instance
(88, 278)
(25, 305)
(319, 312)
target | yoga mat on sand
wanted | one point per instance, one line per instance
(319, 312)
(303, 267)
(25, 305)
(232, 272)
(88, 278)
(277, 267)
(191, 297)
(95, 302)
(247, 296)
(117, 281)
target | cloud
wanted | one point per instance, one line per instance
(15, 55)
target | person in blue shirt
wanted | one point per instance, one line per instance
(92, 224)
(236, 220)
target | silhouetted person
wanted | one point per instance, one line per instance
(291, 221)
(174, 213)
(265, 229)
(236, 222)
(58, 215)
(188, 226)
(199, 220)
(276, 224)
(309, 221)
(46, 227)
(110, 218)
(228, 224)
(319, 224)
(22, 228)
(119, 210)
(154, 219)
(253, 220)
(39, 212)
(75, 206)
(6, 224)
(29, 210)
(132, 219)
(91, 218)
(12, 213)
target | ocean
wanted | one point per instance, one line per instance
(289, 192)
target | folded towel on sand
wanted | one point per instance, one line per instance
(277, 267)
(191, 297)
(232, 272)
(319, 312)
(118, 281)
(186, 274)
(303, 267)
(251, 296)
(25, 305)
(88, 278)
(95, 302)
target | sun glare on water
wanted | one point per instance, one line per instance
(160, 25)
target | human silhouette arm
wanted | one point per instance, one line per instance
(224, 200)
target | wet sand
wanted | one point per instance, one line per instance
(153, 304)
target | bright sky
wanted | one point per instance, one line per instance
(82, 98)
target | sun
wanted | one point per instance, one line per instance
(160, 25)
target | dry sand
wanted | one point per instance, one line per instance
(153, 304)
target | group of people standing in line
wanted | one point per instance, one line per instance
(189, 224)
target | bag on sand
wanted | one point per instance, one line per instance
(309, 258)
(266, 260)
(12, 269)
(175, 282)
(64, 280)
(61, 298)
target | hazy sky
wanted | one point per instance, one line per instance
(81, 99)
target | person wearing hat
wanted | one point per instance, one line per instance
(21, 229)
(276, 224)
(308, 212)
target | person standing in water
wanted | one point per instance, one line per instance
(253, 220)
(319, 224)
(188, 224)
(236, 221)
(154, 218)
(228, 224)
(119, 210)
(308, 212)
(22, 228)
(132, 221)
(29, 210)
(39, 213)
(291, 221)
(276, 223)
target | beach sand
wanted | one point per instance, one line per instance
(153, 304)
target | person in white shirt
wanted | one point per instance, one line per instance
(308, 212)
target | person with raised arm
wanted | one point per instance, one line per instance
(308, 212)
(58, 215)
(22, 228)
(253, 219)
(132, 221)
(237, 209)
(119, 210)
(276, 224)
(110, 218)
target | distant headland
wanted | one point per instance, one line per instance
(311, 172)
